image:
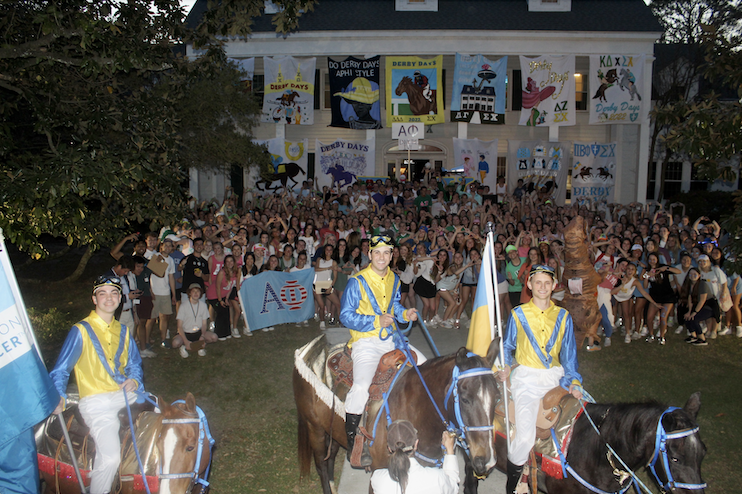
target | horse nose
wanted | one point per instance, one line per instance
(480, 465)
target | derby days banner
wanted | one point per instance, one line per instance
(289, 90)
(340, 162)
(548, 91)
(619, 88)
(415, 90)
(594, 172)
(354, 85)
(540, 164)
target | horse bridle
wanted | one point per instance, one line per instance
(203, 433)
(660, 451)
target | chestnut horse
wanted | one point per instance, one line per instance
(471, 398)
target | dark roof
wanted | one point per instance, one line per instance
(492, 15)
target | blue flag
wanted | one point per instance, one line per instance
(275, 297)
(27, 394)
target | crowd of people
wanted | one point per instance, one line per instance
(659, 268)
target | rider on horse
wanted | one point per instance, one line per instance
(422, 81)
(106, 360)
(542, 337)
(369, 307)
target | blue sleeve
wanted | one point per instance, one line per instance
(508, 345)
(397, 308)
(568, 355)
(68, 357)
(348, 309)
(133, 368)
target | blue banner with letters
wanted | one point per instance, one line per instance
(275, 297)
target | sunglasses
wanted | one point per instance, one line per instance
(105, 280)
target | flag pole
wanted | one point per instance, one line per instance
(28, 329)
(498, 311)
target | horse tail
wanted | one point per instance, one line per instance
(304, 447)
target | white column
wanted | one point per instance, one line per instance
(193, 183)
(553, 133)
(644, 130)
(463, 128)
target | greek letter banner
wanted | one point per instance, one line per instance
(594, 172)
(415, 90)
(354, 86)
(289, 90)
(542, 165)
(289, 160)
(478, 94)
(275, 297)
(478, 159)
(548, 91)
(618, 81)
(337, 164)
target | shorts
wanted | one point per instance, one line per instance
(404, 287)
(469, 284)
(162, 305)
(232, 294)
(144, 308)
(194, 336)
(425, 288)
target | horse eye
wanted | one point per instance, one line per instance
(674, 459)
(190, 448)
(464, 401)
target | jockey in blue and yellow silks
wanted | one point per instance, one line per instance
(542, 337)
(107, 363)
(369, 307)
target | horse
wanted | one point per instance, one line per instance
(290, 171)
(585, 173)
(604, 173)
(664, 440)
(174, 446)
(610, 78)
(627, 84)
(419, 105)
(340, 175)
(321, 416)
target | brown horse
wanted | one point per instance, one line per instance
(419, 105)
(321, 427)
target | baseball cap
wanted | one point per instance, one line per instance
(106, 280)
(510, 248)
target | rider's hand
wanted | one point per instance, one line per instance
(386, 320)
(503, 374)
(60, 407)
(575, 391)
(412, 314)
(128, 385)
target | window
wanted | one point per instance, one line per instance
(502, 167)
(651, 180)
(328, 95)
(517, 94)
(696, 182)
(258, 88)
(316, 89)
(673, 178)
(419, 5)
(581, 92)
(549, 5)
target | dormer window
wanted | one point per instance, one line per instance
(549, 5)
(418, 5)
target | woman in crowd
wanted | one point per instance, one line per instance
(325, 297)
(695, 295)
(660, 290)
(425, 286)
(469, 284)
(513, 267)
(310, 240)
(624, 295)
(226, 281)
(717, 282)
(287, 259)
(342, 258)
(447, 282)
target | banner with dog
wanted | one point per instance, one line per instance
(275, 297)
(619, 83)
(478, 94)
(354, 90)
(414, 90)
(289, 160)
(593, 172)
(289, 90)
(548, 91)
(339, 163)
(543, 166)
(478, 159)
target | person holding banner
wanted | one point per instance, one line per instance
(369, 308)
(90, 345)
(542, 337)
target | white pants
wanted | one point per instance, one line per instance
(366, 355)
(528, 386)
(127, 319)
(604, 300)
(100, 413)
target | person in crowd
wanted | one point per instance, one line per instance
(192, 319)
(325, 297)
(695, 296)
(512, 270)
(226, 283)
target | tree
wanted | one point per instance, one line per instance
(99, 118)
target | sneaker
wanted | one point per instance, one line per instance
(739, 331)
(147, 353)
(691, 339)
(322, 326)
(236, 333)
(316, 316)
(635, 336)
(627, 339)
(298, 325)
(212, 325)
(447, 324)
(713, 335)
(700, 343)
(149, 346)
(222, 338)
(607, 342)
(725, 331)
(183, 352)
(679, 329)
(650, 338)
(168, 334)
(436, 320)
(271, 328)
(644, 331)
(457, 324)
(661, 340)
(593, 348)
(202, 352)
(305, 324)
(166, 344)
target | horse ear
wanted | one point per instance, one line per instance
(162, 404)
(190, 402)
(461, 357)
(693, 405)
(493, 351)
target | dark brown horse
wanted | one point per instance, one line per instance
(322, 429)
(419, 105)
(290, 170)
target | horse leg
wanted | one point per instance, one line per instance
(330, 463)
(471, 483)
(317, 439)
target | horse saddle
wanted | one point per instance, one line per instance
(340, 365)
(549, 412)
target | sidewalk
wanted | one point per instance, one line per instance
(353, 481)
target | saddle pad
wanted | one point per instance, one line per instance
(548, 414)
(50, 439)
(147, 433)
(340, 364)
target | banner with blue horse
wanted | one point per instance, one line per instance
(275, 297)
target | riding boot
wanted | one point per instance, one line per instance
(513, 473)
(351, 428)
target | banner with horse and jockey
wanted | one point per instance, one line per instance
(354, 86)
(414, 90)
(289, 160)
(543, 166)
(619, 80)
(289, 90)
(276, 297)
(593, 172)
(478, 94)
(548, 91)
(339, 163)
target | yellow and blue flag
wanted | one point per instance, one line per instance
(482, 326)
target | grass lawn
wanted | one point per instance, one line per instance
(244, 387)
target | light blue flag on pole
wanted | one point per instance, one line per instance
(275, 297)
(27, 394)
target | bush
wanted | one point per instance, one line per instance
(51, 328)
(714, 204)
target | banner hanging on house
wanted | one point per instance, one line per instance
(247, 65)
(618, 82)
(289, 160)
(337, 164)
(414, 90)
(542, 165)
(478, 94)
(289, 90)
(593, 172)
(354, 86)
(478, 159)
(275, 297)
(548, 91)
